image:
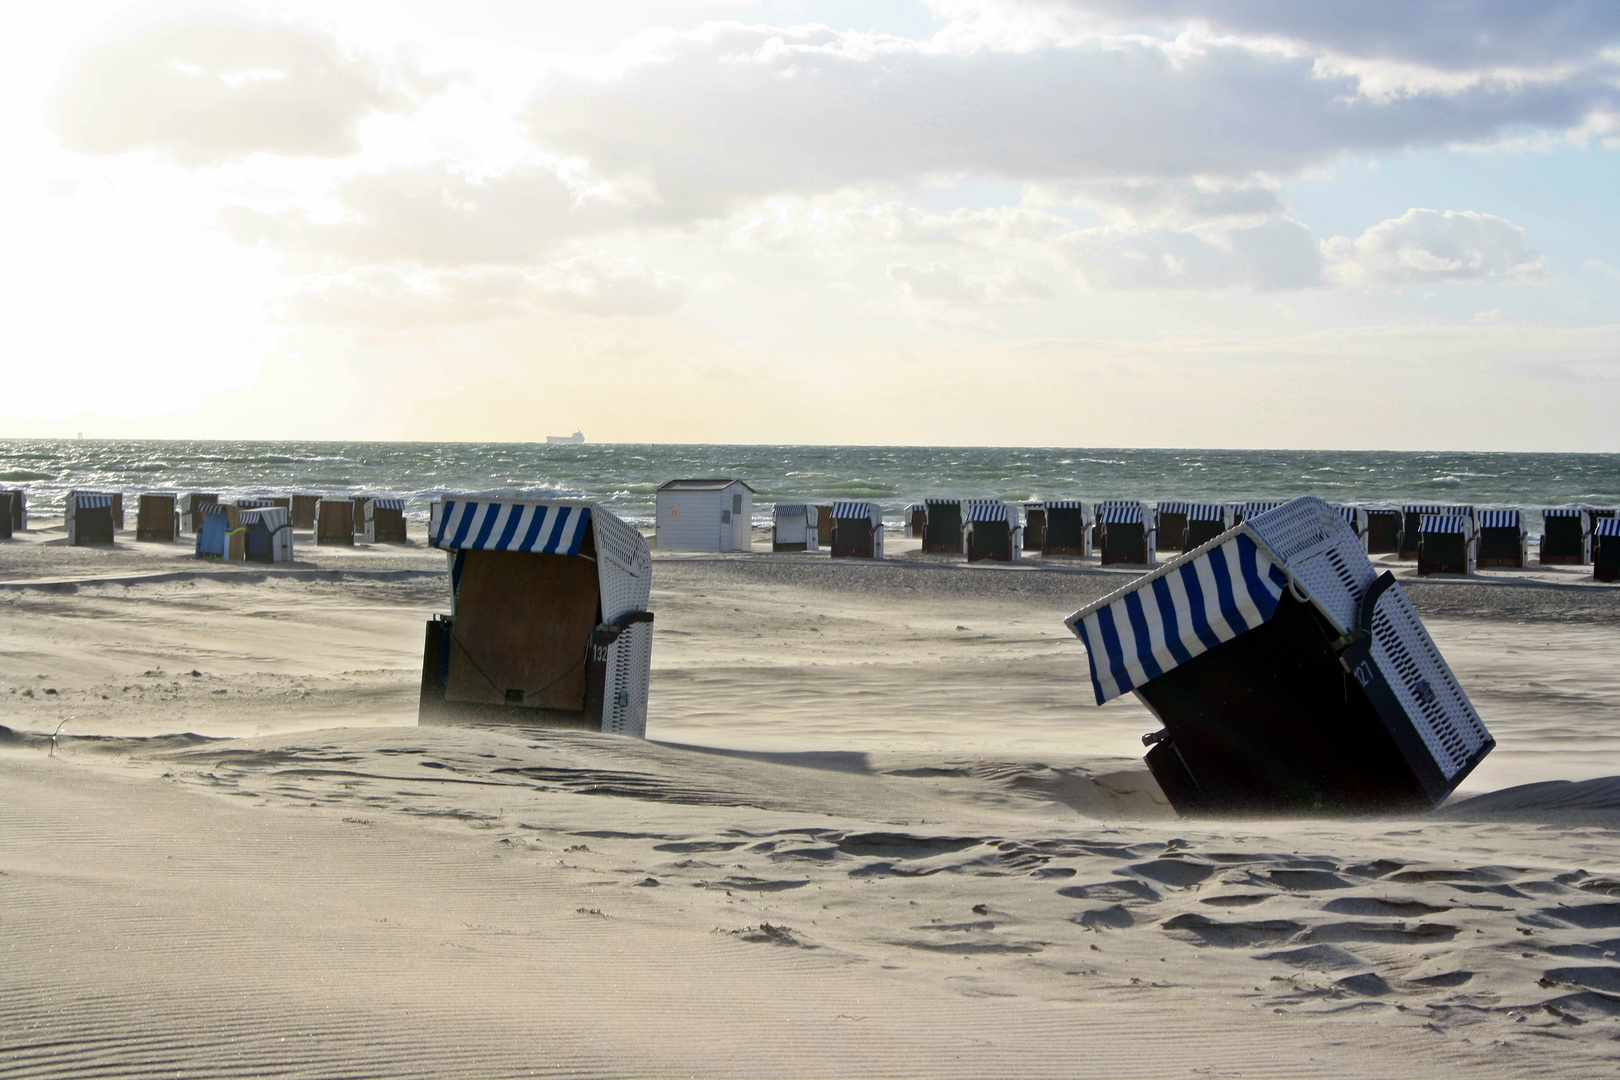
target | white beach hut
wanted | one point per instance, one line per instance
(793, 528)
(548, 618)
(705, 515)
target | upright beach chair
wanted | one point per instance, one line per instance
(1172, 525)
(19, 509)
(359, 502)
(1503, 539)
(5, 514)
(254, 502)
(1565, 536)
(1034, 525)
(259, 534)
(993, 532)
(384, 521)
(944, 533)
(334, 522)
(304, 508)
(1127, 533)
(88, 516)
(1356, 518)
(1446, 544)
(214, 523)
(156, 519)
(1289, 675)
(857, 530)
(1068, 528)
(548, 618)
(190, 506)
(1244, 511)
(826, 525)
(1205, 521)
(793, 529)
(1412, 524)
(916, 520)
(1606, 549)
(1383, 530)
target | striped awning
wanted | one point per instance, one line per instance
(1179, 613)
(1121, 514)
(1607, 527)
(388, 504)
(1206, 512)
(791, 510)
(1349, 513)
(211, 508)
(1175, 507)
(1444, 524)
(942, 502)
(1498, 519)
(496, 525)
(1254, 509)
(851, 510)
(1444, 511)
(92, 502)
(914, 507)
(271, 517)
(991, 512)
(253, 504)
(1562, 511)
(1064, 504)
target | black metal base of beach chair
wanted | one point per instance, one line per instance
(1272, 722)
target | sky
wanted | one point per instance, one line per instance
(1230, 223)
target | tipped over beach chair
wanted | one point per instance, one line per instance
(156, 519)
(1127, 533)
(304, 508)
(857, 530)
(548, 620)
(944, 532)
(89, 518)
(259, 534)
(1068, 528)
(993, 531)
(1503, 539)
(1289, 675)
(1384, 530)
(18, 517)
(1172, 521)
(384, 521)
(1034, 525)
(190, 506)
(1606, 549)
(1565, 536)
(334, 522)
(793, 528)
(1205, 521)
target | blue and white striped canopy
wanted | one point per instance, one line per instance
(1205, 512)
(1349, 513)
(942, 502)
(1562, 511)
(1175, 507)
(1607, 527)
(388, 504)
(847, 510)
(496, 525)
(92, 502)
(791, 510)
(1120, 514)
(1184, 610)
(1255, 509)
(1498, 519)
(914, 507)
(1444, 524)
(1065, 504)
(253, 504)
(212, 508)
(1444, 511)
(990, 512)
(271, 517)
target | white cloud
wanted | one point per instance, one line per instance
(1427, 247)
(1273, 255)
(941, 284)
(211, 92)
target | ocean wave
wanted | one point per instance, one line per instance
(21, 475)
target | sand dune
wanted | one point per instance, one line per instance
(878, 830)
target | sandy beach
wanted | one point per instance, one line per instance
(877, 829)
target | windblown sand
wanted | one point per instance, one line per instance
(878, 829)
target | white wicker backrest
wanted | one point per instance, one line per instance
(1322, 552)
(624, 565)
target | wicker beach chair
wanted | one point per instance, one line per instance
(857, 530)
(793, 528)
(1502, 539)
(1068, 528)
(1446, 544)
(1127, 533)
(993, 532)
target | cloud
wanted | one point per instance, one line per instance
(704, 120)
(212, 92)
(439, 216)
(1453, 35)
(937, 283)
(1427, 247)
(1273, 255)
(388, 299)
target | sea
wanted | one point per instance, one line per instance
(625, 476)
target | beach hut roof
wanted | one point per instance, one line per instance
(700, 485)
